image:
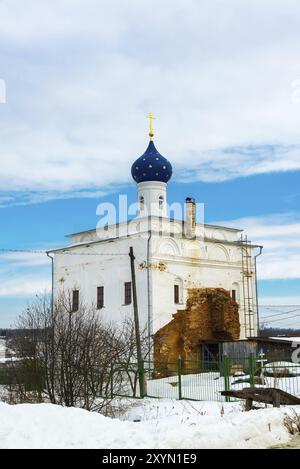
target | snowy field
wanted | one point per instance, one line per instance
(151, 423)
(2, 349)
(4, 352)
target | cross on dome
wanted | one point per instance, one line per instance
(151, 165)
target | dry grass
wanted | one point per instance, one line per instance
(292, 423)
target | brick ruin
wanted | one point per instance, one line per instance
(211, 316)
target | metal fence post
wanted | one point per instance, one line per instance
(141, 372)
(251, 370)
(226, 376)
(179, 364)
(145, 382)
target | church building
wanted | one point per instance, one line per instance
(191, 278)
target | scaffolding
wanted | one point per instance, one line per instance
(249, 313)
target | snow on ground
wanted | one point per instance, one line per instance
(5, 353)
(208, 386)
(9, 359)
(282, 367)
(201, 386)
(2, 348)
(151, 423)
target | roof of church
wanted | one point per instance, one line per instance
(151, 166)
(206, 225)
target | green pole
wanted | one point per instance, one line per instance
(179, 365)
(226, 376)
(141, 371)
(251, 370)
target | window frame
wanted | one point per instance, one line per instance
(161, 201)
(127, 293)
(176, 294)
(100, 297)
(75, 301)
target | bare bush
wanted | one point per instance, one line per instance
(292, 423)
(71, 358)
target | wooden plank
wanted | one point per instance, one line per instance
(265, 395)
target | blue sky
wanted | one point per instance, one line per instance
(223, 81)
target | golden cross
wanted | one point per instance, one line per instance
(151, 117)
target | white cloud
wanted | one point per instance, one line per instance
(23, 259)
(82, 75)
(280, 301)
(280, 235)
(22, 286)
(27, 198)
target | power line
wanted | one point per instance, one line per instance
(273, 310)
(277, 306)
(29, 251)
(22, 251)
(281, 314)
(91, 253)
(283, 319)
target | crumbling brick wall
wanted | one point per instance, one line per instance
(211, 315)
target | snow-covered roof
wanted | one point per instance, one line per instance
(286, 339)
(206, 225)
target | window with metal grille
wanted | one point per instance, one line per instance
(127, 291)
(100, 297)
(176, 294)
(233, 295)
(75, 301)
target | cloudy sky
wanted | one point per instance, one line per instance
(223, 79)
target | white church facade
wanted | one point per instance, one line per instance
(171, 257)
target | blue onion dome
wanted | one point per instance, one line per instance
(151, 166)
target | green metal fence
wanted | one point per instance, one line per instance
(201, 381)
(188, 380)
(124, 380)
(205, 381)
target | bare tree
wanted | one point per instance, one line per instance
(72, 357)
(126, 362)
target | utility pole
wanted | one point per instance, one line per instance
(256, 289)
(52, 326)
(52, 284)
(136, 323)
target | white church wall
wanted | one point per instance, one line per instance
(174, 260)
(206, 265)
(86, 272)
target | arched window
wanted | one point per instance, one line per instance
(142, 202)
(160, 201)
(235, 292)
